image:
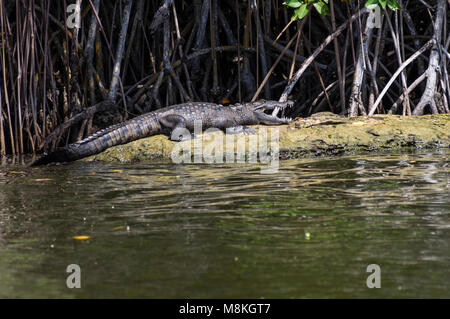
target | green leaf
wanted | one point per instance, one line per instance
(292, 3)
(383, 3)
(322, 8)
(371, 4)
(301, 12)
(393, 5)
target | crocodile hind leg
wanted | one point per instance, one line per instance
(176, 124)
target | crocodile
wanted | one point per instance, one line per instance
(171, 121)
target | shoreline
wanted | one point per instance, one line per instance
(322, 134)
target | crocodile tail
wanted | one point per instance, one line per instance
(60, 155)
(131, 130)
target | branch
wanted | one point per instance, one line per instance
(433, 66)
(119, 51)
(399, 70)
(309, 60)
(86, 114)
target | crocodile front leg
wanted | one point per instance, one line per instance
(240, 129)
(176, 125)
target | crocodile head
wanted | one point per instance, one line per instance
(270, 119)
(271, 105)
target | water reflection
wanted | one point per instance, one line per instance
(163, 230)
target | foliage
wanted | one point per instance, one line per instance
(392, 4)
(302, 7)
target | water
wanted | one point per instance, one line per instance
(159, 230)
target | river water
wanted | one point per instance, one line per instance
(161, 230)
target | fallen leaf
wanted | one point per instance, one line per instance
(224, 100)
(82, 237)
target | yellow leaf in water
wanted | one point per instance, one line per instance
(117, 171)
(82, 237)
(92, 173)
(43, 179)
(118, 227)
